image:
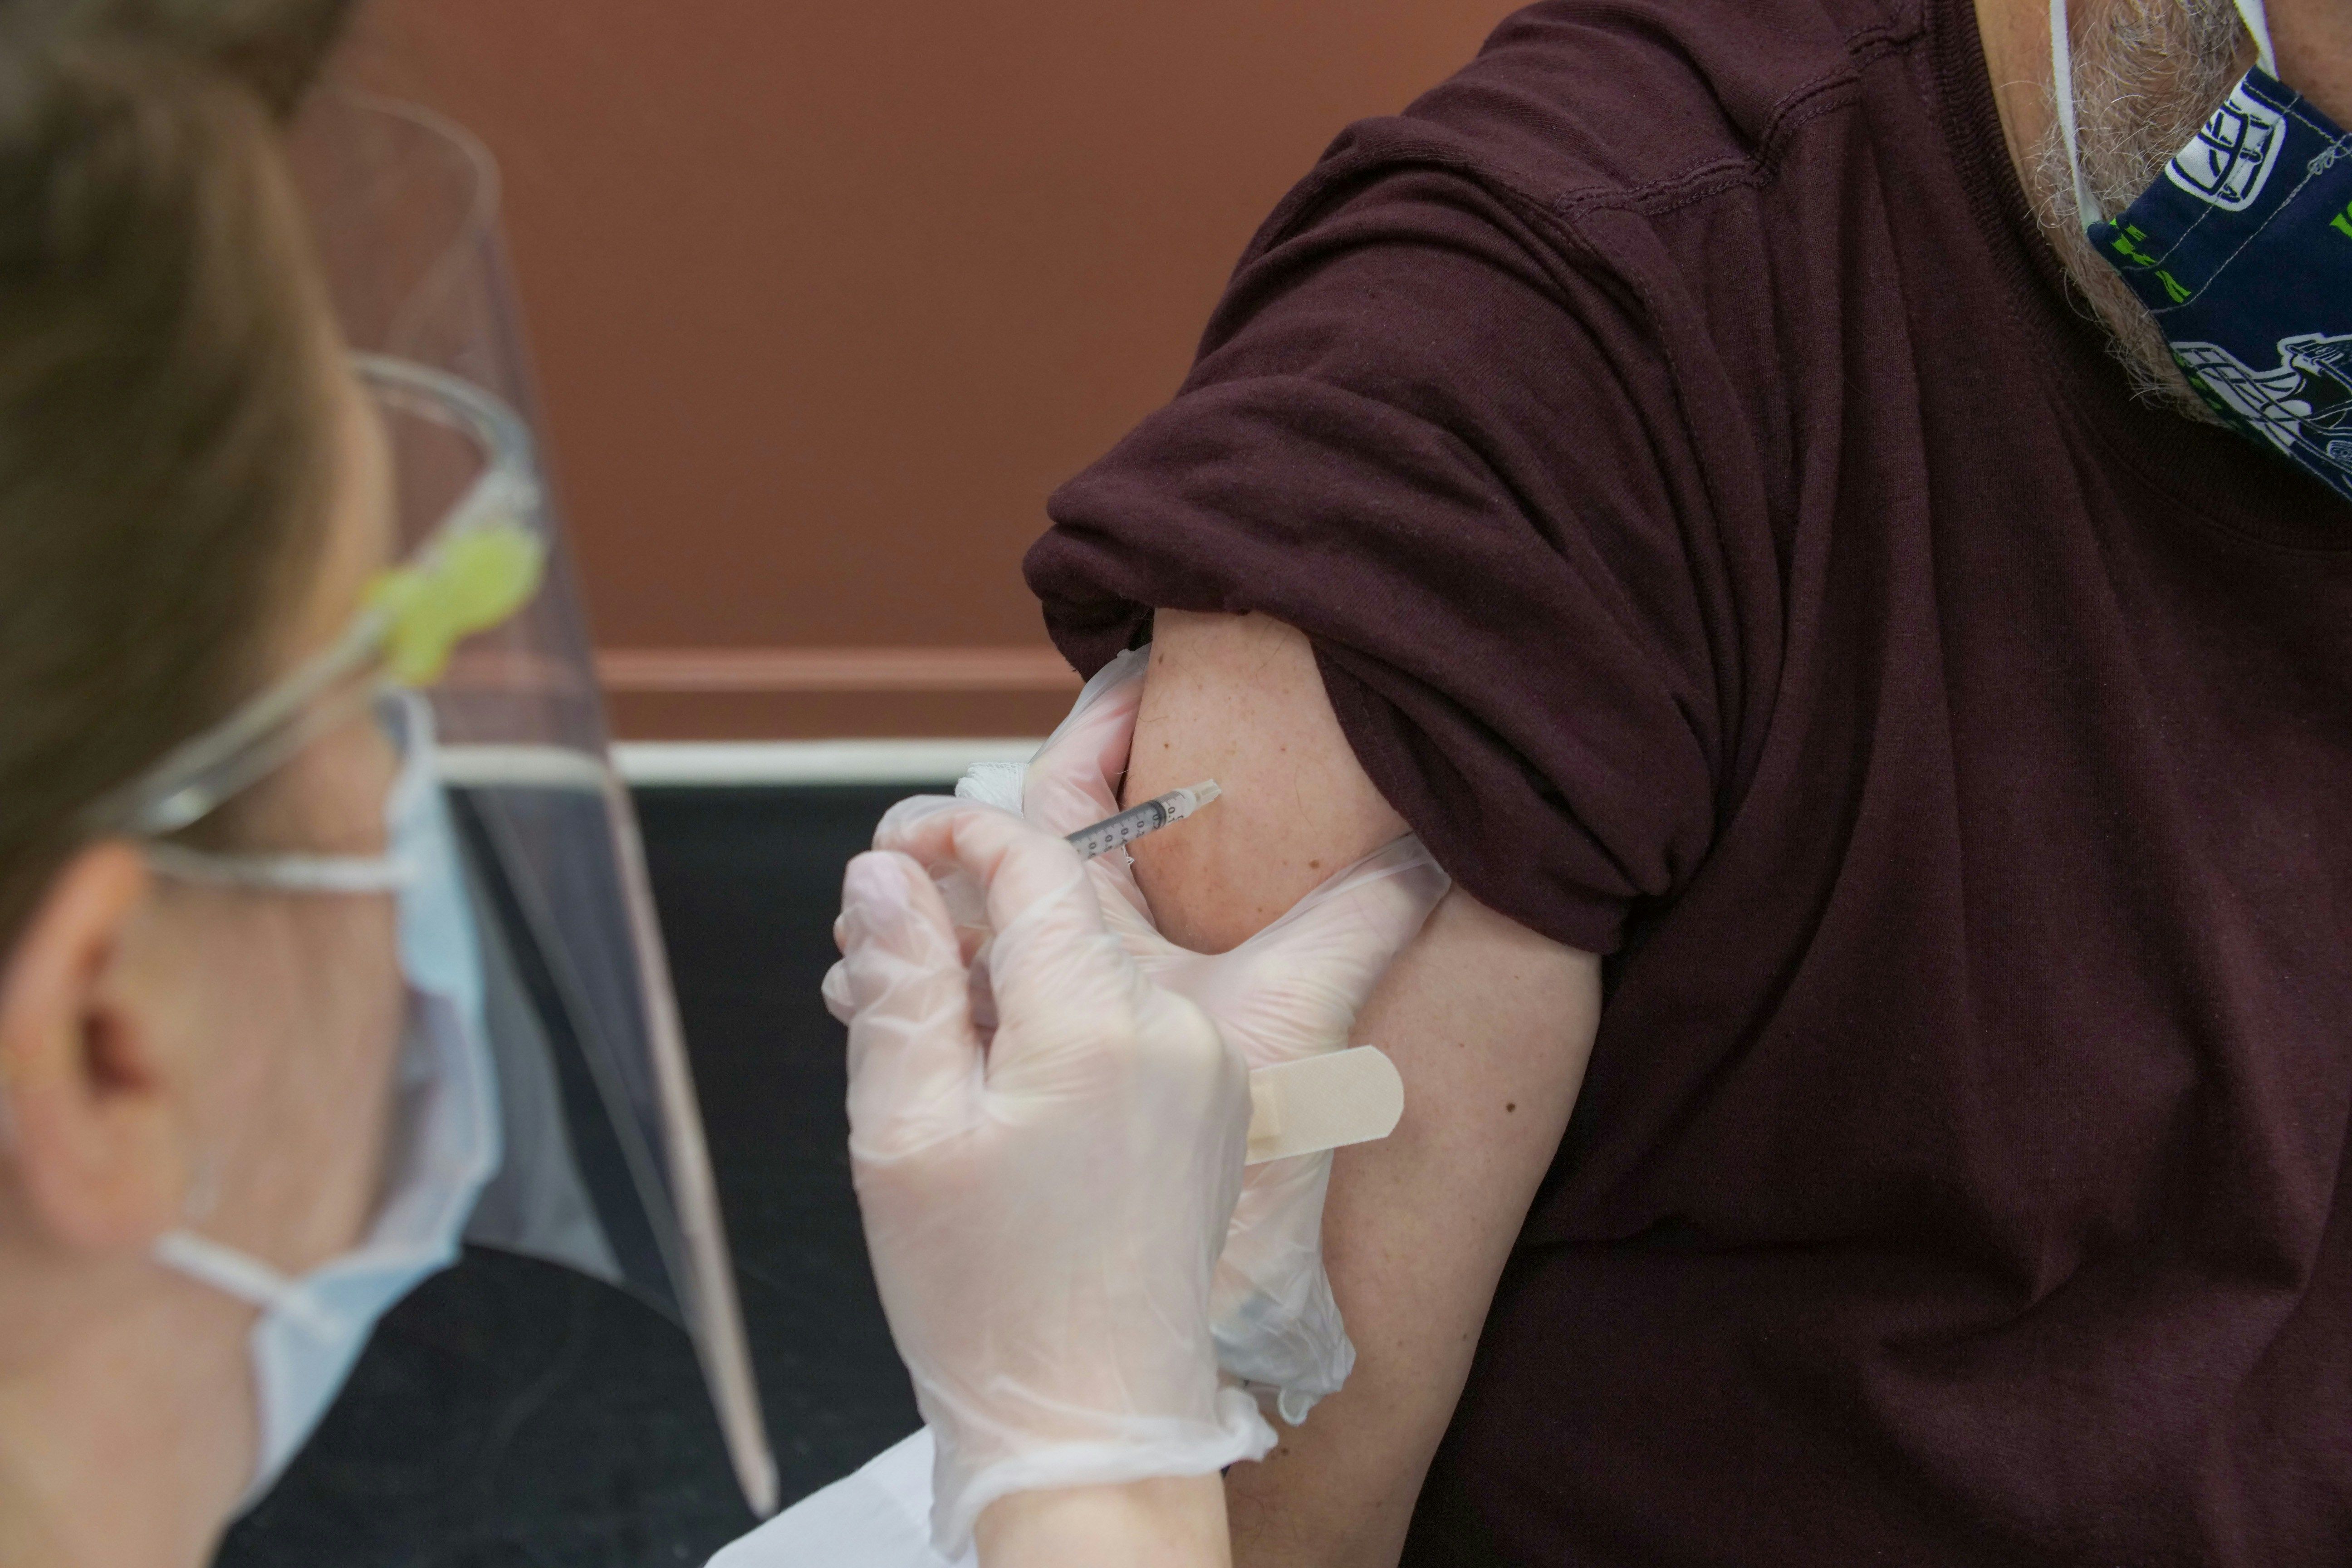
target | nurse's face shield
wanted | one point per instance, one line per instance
(604, 1167)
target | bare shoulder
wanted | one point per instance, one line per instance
(1238, 699)
(1489, 1023)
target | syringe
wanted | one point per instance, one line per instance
(1138, 820)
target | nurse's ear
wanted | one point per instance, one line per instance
(88, 1123)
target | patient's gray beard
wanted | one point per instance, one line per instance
(2146, 75)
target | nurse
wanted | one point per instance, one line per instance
(324, 937)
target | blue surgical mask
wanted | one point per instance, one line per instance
(2243, 251)
(445, 1141)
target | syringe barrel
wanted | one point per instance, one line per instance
(1125, 828)
(1138, 820)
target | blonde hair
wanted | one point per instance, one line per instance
(166, 427)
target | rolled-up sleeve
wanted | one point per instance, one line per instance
(1427, 432)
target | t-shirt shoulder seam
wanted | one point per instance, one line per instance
(1834, 89)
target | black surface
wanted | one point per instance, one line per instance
(510, 1413)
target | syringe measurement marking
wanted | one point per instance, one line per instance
(1136, 821)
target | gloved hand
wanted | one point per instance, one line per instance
(1291, 990)
(1042, 1215)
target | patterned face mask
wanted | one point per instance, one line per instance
(2243, 252)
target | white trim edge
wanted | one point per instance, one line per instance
(522, 767)
(739, 763)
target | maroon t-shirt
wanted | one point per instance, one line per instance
(1728, 546)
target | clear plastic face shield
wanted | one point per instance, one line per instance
(603, 1166)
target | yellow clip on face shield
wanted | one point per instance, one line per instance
(482, 567)
(468, 584)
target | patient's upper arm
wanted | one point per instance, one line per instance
(1488, 1023)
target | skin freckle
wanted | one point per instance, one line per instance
(1314, 865)
(1510, 1105)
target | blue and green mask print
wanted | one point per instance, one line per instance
(2243, 252)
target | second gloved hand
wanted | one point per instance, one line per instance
(1044, 1208)
(1291, 990)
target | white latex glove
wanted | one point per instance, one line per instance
(1043, 1208)
(1291, 990)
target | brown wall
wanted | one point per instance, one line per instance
(826, 298)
